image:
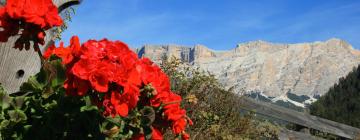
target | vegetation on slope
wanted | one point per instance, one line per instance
(342, 102)
(213, 109)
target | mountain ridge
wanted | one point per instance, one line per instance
(247, 42)
(273, 68)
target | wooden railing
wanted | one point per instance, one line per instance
(299, 118)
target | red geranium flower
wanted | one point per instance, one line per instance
(185, 136)
(179, 126)
(32, 16)
(49, 51)
(112, 69)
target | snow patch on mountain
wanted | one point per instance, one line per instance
(286, 99)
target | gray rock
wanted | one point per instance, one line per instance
(275, 69)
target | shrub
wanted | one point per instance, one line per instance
(214, 110)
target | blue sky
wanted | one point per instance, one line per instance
(217, 24)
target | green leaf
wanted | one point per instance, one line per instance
(88, 105)
(2, 90)
(32, 85)
(147, 133)
(17, 115)
(2, 117)
(50, 105)
(5, 100)
(27, 127)
(88, 108)
(116, 121)
(43, 76)
(60, 75)
(19, 101)
(47, 92)
(4, 124)
(87, 100)
(53, 76)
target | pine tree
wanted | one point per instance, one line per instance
(342, 102)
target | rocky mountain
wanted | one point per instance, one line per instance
(276, 70)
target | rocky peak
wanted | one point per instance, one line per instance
(274, 69)
(200, 52)
(156, 52)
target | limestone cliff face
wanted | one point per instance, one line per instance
(275, 69)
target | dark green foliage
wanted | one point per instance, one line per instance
(342, 102)
(297, 98)
(42, 111)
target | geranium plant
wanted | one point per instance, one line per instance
(98, 89)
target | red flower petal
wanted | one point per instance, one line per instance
(122, 109)
(99, 81)
(156, 134)
(179, 126)
(49, 51)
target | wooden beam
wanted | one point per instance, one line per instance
(63, 4)
(293, 135)
(16, 66)
(299, 118)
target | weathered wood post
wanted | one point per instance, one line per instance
(16, 66)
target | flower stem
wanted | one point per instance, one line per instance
(37, 49)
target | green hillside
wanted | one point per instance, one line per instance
(342, 102)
